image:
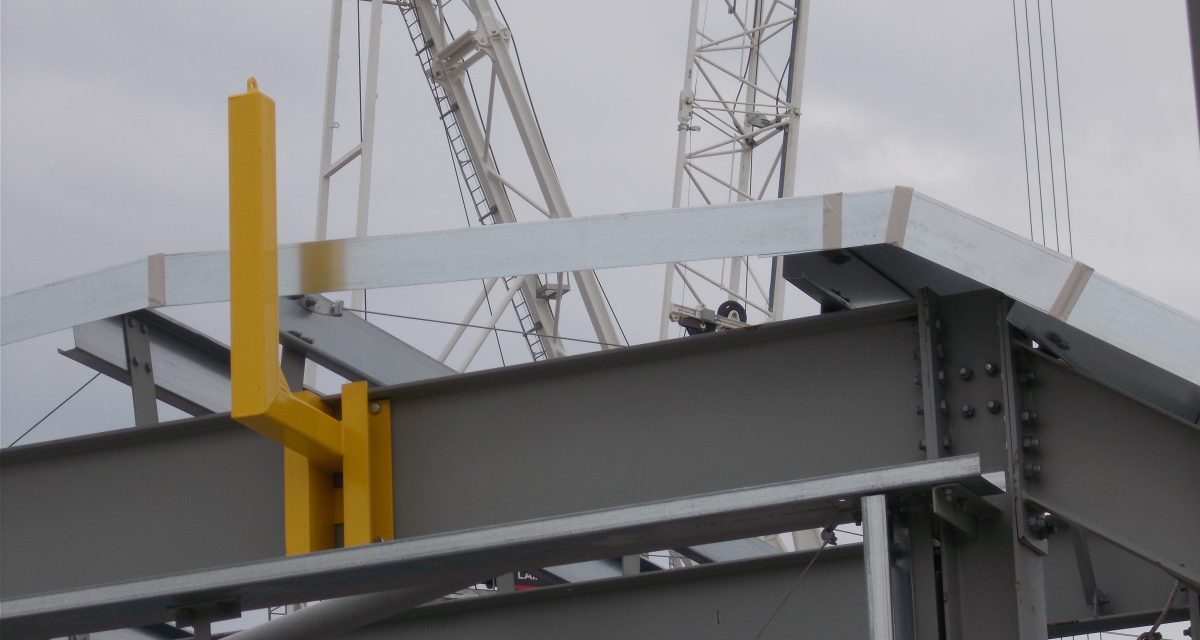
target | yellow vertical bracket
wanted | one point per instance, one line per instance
(319, 449)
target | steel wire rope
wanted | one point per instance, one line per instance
(1049, 133)
(1062, 135)
(1153, 634)
(787, 596)
(475, 326)
(56, 408)
(1037, 151)
(1024, 127)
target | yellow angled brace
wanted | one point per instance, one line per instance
(327, 462)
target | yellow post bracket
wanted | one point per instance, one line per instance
(337, 471)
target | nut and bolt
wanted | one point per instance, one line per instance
(134, 361)
(917, 380)
(968, 411)
(937, 324)
(965, 373)
(940, 350)
(946, 441)
(991, 369)
(1032, 470)
(1027, 377)
(148, 368)
(920, 410)
(374, 407)
(921, 444)
(943, 407)
(1029, 443)
(993, 406)
(1039, 526)
(941, 376)
(1029, 417)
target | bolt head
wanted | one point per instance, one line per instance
(374, 407)
(968, 411)
(965, 373)
(991, 369)
(941, 376)
(993, 406)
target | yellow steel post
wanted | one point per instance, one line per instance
(316, 445)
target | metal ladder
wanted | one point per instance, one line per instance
(485, 211)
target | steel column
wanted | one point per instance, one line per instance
(878, 564)
(141, 370)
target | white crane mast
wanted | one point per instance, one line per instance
(739, 111)
(446, 57)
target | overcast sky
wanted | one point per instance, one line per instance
(114, 141)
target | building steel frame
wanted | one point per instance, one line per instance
(1012, 369)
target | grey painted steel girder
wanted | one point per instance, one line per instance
(821, 369)
(736, 600)
(472, 555)
(191, 370)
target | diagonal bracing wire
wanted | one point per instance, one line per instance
(1024, 128)
(1062, 135)
(56, 408)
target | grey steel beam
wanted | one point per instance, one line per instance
(555, 420)
(829, 602)
(138, 502)
(191, 370)
(467, 556)
(350, 346)
(1119, 468)
(710, 602)
(830, 394)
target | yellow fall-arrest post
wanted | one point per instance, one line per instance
(337, 472)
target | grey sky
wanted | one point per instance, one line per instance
(114, 139)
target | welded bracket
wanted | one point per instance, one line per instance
(337, 471)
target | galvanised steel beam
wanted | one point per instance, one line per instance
(1123, 470)
(466, 556)
(191, 370)
(912, 239)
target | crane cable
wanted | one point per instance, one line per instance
(1049, 125)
